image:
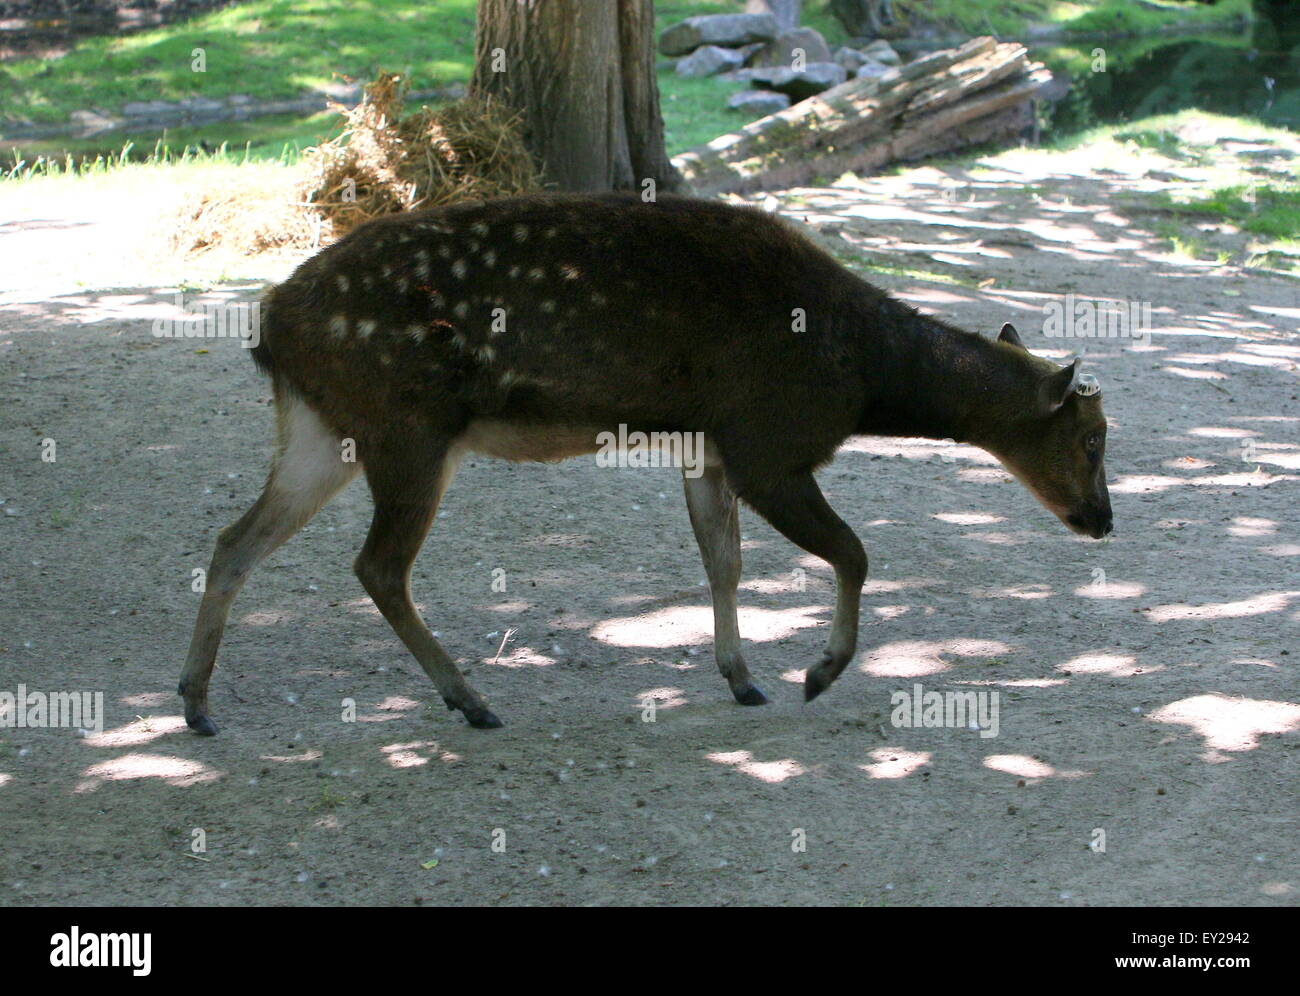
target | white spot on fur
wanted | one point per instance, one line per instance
(480, 228)
(521, 233)
(461, 309)
(342, 282)
(548, 307)
(339, 325)
(444, 252)
(486, 353)
(459, 269)
(416, 332)
(514, 272)
(569, 271)
(366, 328)
(599, 299)
(536, 275)
(551, 232)
(490, 258)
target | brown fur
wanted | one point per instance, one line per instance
(523, 327)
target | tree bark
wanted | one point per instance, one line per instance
(864, 18)
(582, 77)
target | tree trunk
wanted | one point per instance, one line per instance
(863, 18)
(786, 12)
(582, 76)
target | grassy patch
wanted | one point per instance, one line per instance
(1129, 18)
(1011, 17)
(1268, 209)
(267, 49)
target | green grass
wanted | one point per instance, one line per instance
(1268, 209)
(1010, 17)
(267, 49)
(277, 49)
(273, 138)
(1130, 18)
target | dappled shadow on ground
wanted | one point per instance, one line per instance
(1144, 684)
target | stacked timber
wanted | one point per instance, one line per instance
(980, 92)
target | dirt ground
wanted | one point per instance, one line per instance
(1147, 682)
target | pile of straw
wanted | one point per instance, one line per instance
(381, 162)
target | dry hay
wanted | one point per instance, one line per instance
(247, 210)
(381, 162)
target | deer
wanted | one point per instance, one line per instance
(525, 327)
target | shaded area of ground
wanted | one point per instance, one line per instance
(1147, 683)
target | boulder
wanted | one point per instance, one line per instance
(709, 60)
(850, 58)
(782, 49)
(882, 51)
(759, 102)
(801, 84)
(727, 30)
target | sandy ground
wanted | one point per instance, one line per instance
(1146, 683)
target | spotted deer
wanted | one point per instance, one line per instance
(524, 328)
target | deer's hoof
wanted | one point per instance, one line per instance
(202, 725)
(814, 684)
(482, 719)
(751, 696)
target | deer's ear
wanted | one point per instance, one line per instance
(1009, 334)
(1055, 389)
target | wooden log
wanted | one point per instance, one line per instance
(977, 92)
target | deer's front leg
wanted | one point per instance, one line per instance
(796, 507)
(712, 506)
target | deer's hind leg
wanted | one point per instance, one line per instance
(712, 506)
(407, 482)
(308, 471)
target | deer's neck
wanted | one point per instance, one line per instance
(928, 379)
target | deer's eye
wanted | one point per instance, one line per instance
(1092, 445)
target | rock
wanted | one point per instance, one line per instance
(850, 58)
(709, 60)
(804, 83)
(760, 102)
(147, 108)
(882, 51)
(89, 122)
(781, 50)
(199, 105)
(728, 30)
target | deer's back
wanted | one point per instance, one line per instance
(555, 309)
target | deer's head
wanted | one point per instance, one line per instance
(1054, 442)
